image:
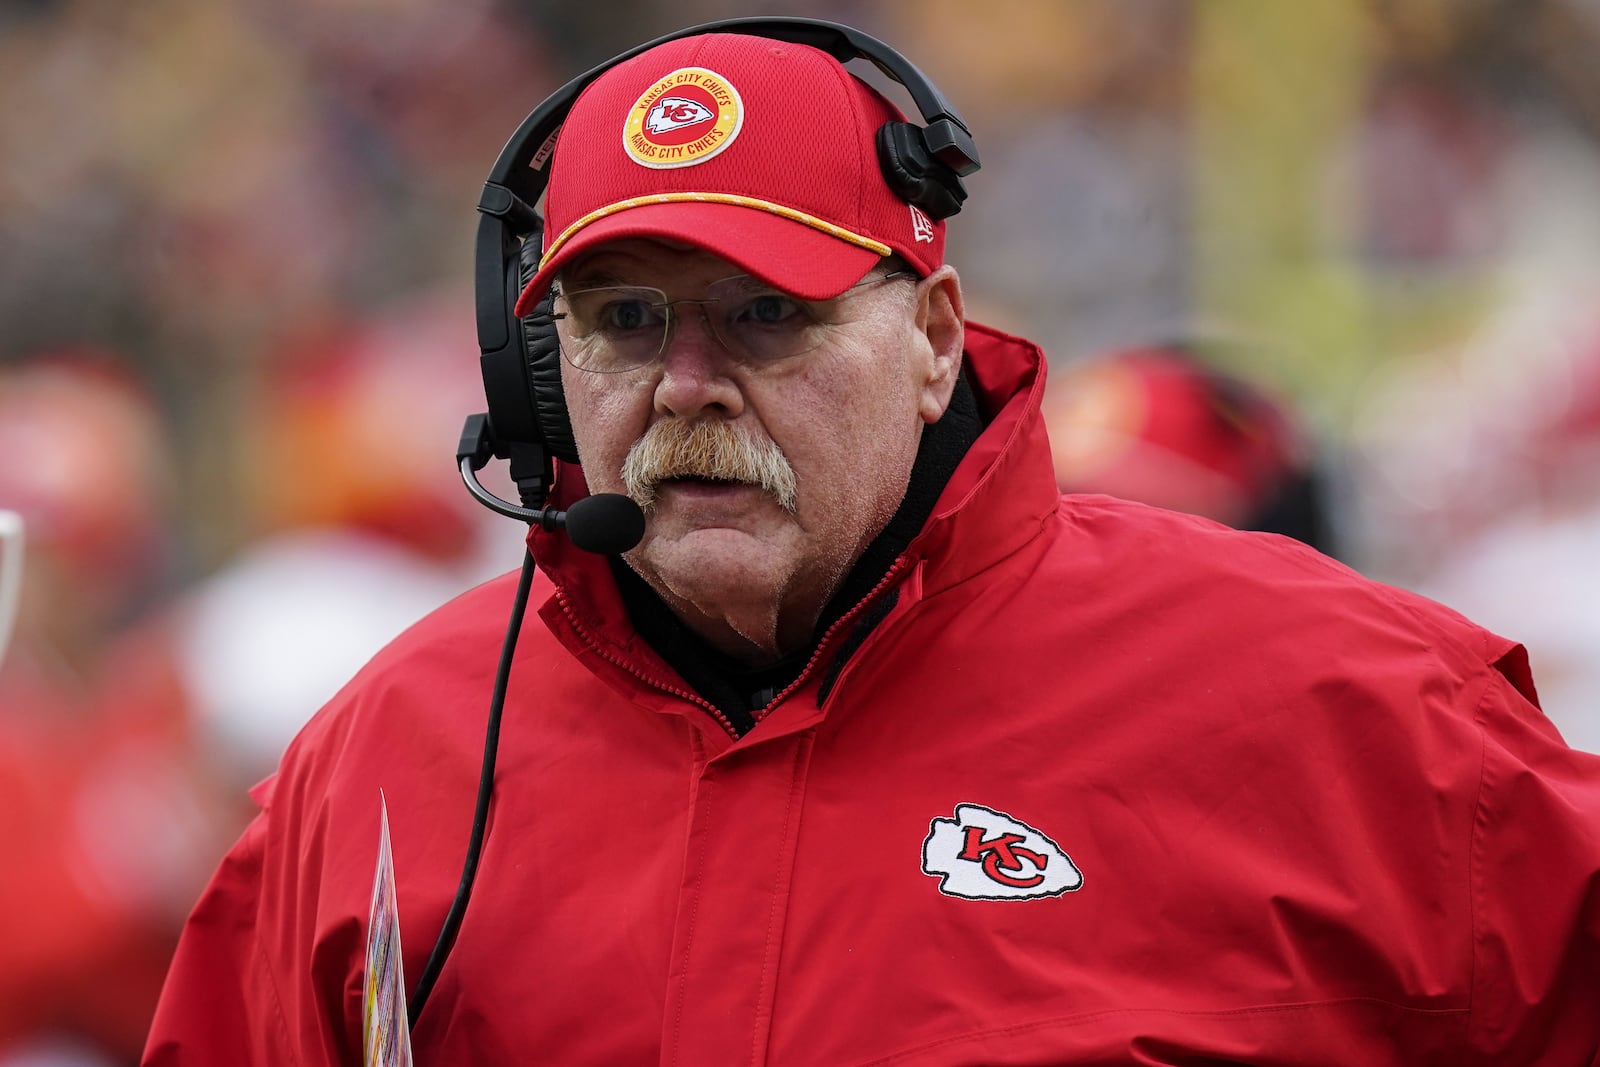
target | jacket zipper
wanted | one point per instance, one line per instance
(890, 577)
(604, 653)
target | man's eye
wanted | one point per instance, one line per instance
(770, 309)
(626, 315)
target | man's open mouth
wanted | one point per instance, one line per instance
(700, 479)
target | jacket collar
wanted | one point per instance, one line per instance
(1005, 488)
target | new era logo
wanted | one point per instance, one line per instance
(983, 854)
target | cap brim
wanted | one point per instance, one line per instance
(790, 255)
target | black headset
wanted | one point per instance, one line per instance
(527, 420)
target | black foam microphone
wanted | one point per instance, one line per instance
(606, 523)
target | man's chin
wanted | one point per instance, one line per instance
(715, 563)
(708, 538)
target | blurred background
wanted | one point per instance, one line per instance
(1327, 267)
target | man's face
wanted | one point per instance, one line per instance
(842, 418)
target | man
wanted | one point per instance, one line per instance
(876, 749)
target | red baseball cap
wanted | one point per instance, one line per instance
(760, 151)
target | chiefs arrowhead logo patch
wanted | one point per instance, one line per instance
(685, 118)
(983, 854)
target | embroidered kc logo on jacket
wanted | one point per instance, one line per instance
(983, 854)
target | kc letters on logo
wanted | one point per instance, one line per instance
(983, 854)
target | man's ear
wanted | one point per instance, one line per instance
(941, 319)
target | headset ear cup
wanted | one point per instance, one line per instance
(542, 352)
(915, 174)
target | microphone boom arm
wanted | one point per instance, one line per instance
(606, 523)
(544, 518)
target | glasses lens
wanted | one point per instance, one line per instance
(613, 328)
(763, 324)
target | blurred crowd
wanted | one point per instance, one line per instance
(1327, 268)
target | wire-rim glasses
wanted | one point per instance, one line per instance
(614, 328)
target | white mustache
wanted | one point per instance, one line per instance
(705, 448)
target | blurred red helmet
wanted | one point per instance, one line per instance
(1158, 425)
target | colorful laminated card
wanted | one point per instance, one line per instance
(383, 1016)
(10, 574)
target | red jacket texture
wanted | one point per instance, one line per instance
(1081, 782)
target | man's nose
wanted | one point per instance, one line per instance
(691, 322)
(695, 368)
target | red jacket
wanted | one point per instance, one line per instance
(1105, 784)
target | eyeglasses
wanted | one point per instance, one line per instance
(623, 327)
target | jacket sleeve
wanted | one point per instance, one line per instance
(1535, 885)
(220, 1002)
